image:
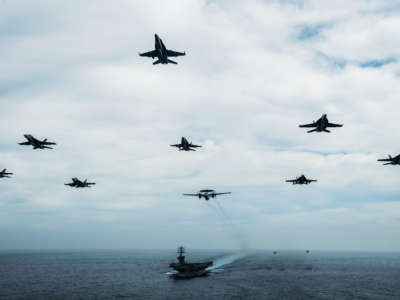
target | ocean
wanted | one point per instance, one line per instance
(251, 275)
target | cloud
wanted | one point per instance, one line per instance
(253, 72)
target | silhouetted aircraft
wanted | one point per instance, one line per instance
(80, 184)
(185, 145)
(161, 52)
(206, 194)
(4, 174)
(391, 160)
(36, 143)
(321, 125)
(301, 180)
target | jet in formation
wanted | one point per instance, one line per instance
(301, 180)
(391, 160)
(37, 144)
(79, 184)
(162, 53)
(4, 174)
(321, 125)
(206, 194)
(185, 145)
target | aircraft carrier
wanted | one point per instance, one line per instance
(189, 270)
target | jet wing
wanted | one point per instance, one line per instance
(194, 146)
(216, 194)
(291, 180)
(191, 194)
(151, 54)
(333, 125)
(175, 53)
(309, 125)
(25, 143)
(385, 159)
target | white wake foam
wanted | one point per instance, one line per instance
(226, 260)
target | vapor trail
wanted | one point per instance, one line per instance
(234, 231)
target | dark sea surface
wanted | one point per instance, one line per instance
(145, 275)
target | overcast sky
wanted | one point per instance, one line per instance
(253, 72)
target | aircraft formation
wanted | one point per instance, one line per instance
(163, 57)
(321, 125)
(38, 144)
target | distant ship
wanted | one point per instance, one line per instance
(189, 270)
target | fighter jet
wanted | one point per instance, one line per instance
(185, 145)
(301, 180)
(206, 194)
(4, 174)
(391, 160)
(36, 143)
(321, 125)
(162, 53)
(79, 184)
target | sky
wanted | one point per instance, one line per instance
(253, 71)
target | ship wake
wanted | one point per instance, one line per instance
(226, 260)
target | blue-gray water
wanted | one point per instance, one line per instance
(143, 275)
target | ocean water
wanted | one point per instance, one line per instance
(252, 275)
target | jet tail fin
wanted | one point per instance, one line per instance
(3, 171)
(157, 62)
(172, 62)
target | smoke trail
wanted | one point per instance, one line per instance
(218, 211)
(233, 231)
(232, 228)
(222, 210)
